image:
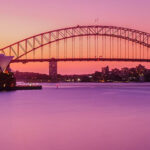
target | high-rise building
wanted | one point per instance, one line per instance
(105, 70)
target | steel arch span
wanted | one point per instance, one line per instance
(117, 44)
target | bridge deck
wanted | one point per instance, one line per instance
(79, 59)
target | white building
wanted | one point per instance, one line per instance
(4, 62)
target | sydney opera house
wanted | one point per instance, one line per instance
(7, 79)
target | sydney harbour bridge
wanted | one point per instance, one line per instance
(82, 43)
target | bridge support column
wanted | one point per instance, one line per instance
(53, 70)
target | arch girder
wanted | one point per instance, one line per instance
(32, 43)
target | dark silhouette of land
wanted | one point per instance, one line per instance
(137, 74)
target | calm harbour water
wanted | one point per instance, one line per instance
(77, 117)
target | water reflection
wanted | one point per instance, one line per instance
(77, 117)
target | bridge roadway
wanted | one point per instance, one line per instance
(79, 59)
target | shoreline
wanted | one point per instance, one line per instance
(33, 82)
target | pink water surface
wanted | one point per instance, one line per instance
(76, 117)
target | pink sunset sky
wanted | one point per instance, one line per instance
(22, 18)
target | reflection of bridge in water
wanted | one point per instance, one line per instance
(82, 43)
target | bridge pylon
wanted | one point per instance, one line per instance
(53, 70)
